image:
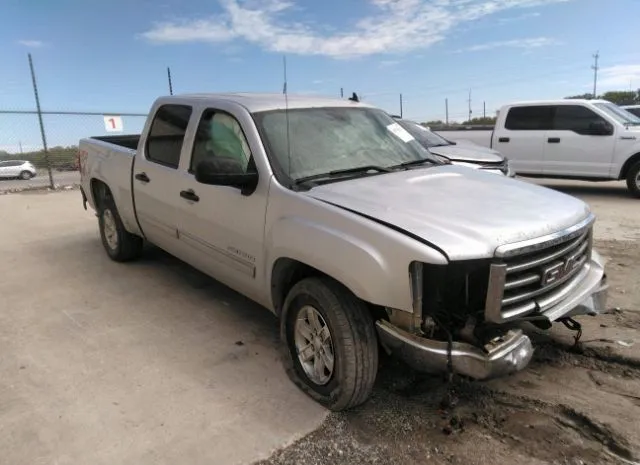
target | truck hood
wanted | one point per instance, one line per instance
(468, 153)
(465, 213)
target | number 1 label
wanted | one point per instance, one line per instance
(113, 123)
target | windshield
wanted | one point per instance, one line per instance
(619, 114)
(423, 135)
(325, 140)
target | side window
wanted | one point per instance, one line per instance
(166, 135)
(635, 111)
(575, 118)
(220, 135)
(531, 118)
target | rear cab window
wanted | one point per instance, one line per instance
(529, 118)
(166, 135)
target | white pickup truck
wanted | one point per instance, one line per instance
(573, 139)
(333, 217)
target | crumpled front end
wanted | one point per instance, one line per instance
(467, 315)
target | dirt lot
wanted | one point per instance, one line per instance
(571, 406)
(154, 363)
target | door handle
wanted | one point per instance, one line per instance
(189, 195)
(504, 139)
(142, 177)
(553, 140)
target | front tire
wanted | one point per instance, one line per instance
(633, 179)
(330, 344)
(26, 175)
(120, 244)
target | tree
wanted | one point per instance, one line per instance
(619, 97)
(580, 97)
(437, 122)
(482, 120)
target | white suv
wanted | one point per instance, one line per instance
(17, 169)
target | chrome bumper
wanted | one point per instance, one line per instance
(503, 356)
(588, 298)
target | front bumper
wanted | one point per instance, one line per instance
(502, 356)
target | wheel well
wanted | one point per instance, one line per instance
(287, 272)
(99, 191)
(628, 164)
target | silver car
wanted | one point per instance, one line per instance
(17, 169)
(463, 154)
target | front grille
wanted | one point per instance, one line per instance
(532, 281)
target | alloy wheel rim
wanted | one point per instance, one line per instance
(110, 232)
(314, 345)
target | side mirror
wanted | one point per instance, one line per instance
(223, 171)
(600, 128)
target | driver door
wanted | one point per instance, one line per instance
(222, 230)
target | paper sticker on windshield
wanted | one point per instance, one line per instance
(400, 132)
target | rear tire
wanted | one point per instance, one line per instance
(343, 334)
(120, 244)
(633, 179)
(26, 175)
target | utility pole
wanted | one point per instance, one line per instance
(595, 68)
(20, 144)
(484, 109)
(469, 101)
(446, 110)
(341, 92)
(42, 132)
(401, 105)
(170, 83)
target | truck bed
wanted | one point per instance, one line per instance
(129, 141)
(109, 159)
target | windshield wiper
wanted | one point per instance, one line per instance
(421, 161)
(335, 173)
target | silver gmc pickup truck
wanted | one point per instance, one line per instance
(329, 214)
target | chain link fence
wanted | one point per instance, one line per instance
(21, 140)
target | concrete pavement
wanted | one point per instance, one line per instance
(148, 362)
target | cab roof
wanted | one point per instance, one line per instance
(256, 102)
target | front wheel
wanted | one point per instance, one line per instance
(119, 243)
(330, 344)
(633, 179)
(26, 175)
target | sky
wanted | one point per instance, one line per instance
(112, 56)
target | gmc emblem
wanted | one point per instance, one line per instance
(559, 270)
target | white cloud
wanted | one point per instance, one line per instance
(387, 63)
(619, 77)
(521, 17)
(32, 43)
(534, 42)
(396, 26)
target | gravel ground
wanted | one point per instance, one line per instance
(572, 405)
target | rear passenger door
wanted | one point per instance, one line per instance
(156, 177)
(522, 137)
(573, 148)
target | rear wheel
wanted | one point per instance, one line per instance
(633, 179)
(330, 344)
(26, 175)
(119, 243)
